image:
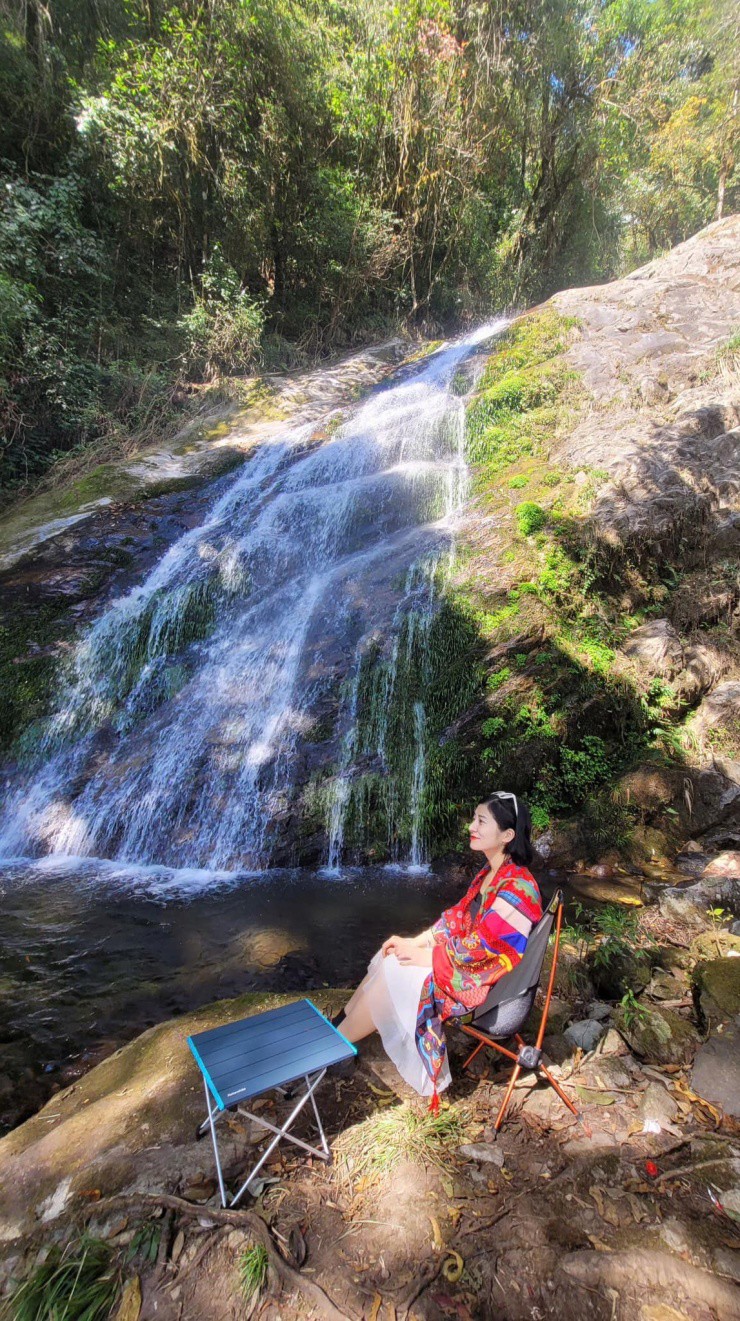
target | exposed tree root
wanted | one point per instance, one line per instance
(654, 1270)
(290, 1279)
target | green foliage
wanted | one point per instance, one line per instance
(632, 1010)
(516, 483)
(77, 1283)
(530, 518)
(196, 189)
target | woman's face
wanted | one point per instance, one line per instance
(486, 836)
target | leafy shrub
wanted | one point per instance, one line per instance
(530, 518)
(516, 483)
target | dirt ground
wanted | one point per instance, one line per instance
(560, 1217)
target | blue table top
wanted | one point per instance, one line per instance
(244, 1059)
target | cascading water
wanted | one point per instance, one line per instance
(177, 736)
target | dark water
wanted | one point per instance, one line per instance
(93, 952)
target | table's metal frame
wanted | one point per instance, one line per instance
(215, 1112)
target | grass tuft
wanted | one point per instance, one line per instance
(402, 1132)
(78, 1283)
(253, 1270)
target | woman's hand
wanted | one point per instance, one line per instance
(389, 945)
(410, 954)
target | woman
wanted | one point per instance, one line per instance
(414, 984)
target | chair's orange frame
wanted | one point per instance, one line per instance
(519, 1064)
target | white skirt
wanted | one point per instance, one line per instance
(391, 991)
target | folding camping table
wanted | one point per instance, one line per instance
(242, 1060)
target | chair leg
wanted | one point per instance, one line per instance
(473, 1054)
(505, 1103)
(558, 1089)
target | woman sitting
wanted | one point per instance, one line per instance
(414, 984)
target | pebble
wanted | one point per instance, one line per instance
(482, 1152)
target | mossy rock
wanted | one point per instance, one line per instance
(716, 945)
(717, 989)
(658, 1035)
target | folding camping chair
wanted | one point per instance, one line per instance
(509, 1003)
(267, 1052)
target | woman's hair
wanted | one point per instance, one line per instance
(507, 817)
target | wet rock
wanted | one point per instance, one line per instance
(655, 648)
(585, 1034)
(658, 1035)
(717, 987)
(716, 1072)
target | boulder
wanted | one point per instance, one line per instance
(715, 1075)
(127, 1124)
(717, 988)
(725, 865)
(658, 1035)
(703, 668)
(585, 1034)
(689, 904)
(716, 944)
(666, 985)
(657, 1106)
(655, 648)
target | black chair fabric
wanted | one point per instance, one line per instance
(511, 999)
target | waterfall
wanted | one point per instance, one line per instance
(183, 715)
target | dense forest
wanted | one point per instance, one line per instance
(192, 190)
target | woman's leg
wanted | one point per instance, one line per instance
(358, 1022)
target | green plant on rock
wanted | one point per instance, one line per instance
(632, 1011)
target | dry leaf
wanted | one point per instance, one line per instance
(377, 1304)
(438, 1240)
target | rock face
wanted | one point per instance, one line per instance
(716, 1071)
(655, 647)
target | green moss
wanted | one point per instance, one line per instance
(28, 667)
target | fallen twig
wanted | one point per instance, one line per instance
(689, 1169)
(428, 1275)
